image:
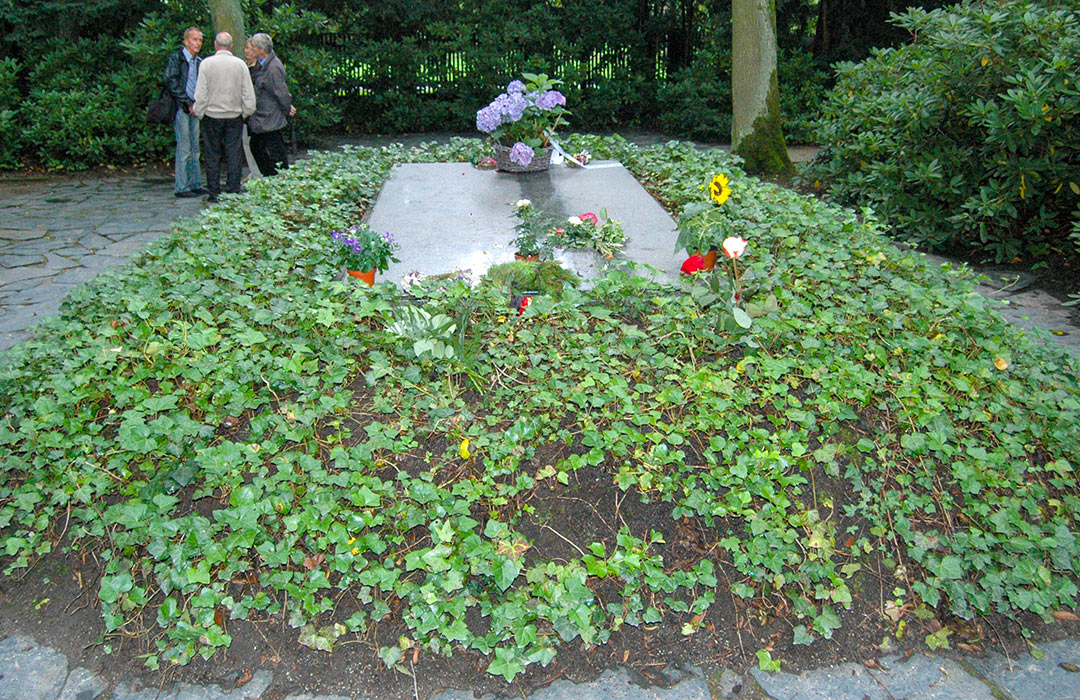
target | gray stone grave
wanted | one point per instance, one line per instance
(452, 216)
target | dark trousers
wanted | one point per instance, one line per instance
(269, 152)
(223, 137)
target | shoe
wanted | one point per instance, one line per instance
(188, 194)
(211, 199)
(199, 190)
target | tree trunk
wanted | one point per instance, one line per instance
(227, 16)
(756, 135)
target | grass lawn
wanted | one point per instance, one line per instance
(231, 437)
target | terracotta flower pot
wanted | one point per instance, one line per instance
(366, 276)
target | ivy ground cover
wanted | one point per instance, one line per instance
(237, 443)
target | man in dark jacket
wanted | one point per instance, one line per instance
(273, 104)
(181, 75)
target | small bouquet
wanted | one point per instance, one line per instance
(603, 234)
(525, 117)
(360, 248)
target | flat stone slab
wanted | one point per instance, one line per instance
(1028, 678)
(452, 216)
(29, 671)
(918, 678)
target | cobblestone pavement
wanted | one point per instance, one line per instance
(56, 233)
(29, 671)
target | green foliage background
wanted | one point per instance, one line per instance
(969, 137)
(83, 73)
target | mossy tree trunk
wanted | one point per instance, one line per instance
(227, 16)
(756, 135)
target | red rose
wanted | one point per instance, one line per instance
(695, 263)
(525, 301)
(590, 217)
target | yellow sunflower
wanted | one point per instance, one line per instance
(718, 189)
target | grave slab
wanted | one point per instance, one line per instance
(452, 216)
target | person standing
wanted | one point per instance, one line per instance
(273, 105)
(224, 97)
(251, 60)
(181, 75)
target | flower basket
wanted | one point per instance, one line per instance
(541, 161)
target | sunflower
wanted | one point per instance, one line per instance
(718, 189)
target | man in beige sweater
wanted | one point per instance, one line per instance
(224, 97)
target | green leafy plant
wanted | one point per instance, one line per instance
(703, 225)
(532, 228)
(224, 409)
(966, 138)
(547, 277)
(360, 248)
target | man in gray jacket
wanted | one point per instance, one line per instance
(224, 97)
(273, 104)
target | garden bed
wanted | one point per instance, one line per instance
(224, 431)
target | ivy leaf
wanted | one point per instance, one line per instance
(506, 573)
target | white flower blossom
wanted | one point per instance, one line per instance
(574, 221)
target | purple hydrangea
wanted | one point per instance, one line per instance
(549, 99)
(515, 87)
(510, 107)
(488, 119)
(521, 154)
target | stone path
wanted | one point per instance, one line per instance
(29, 671)
(58, 233)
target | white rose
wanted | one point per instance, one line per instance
(574, 221)
(523, 203)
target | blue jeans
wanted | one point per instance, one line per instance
(187, 152)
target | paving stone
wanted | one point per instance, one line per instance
(59, 262)
(40, 246)
(83, 685)
(253, 689)
(322, 697)
(124, 225)
(72, 252)
(617, 685)
(29, 671)
(93, 241)
(22, 234)
(10, 339)
(726, 684)
(918, 678)
(14, 260)
(130, 245)
(13, 278)
(126, 692)
(1028, 678)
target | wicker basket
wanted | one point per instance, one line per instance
(541, 160)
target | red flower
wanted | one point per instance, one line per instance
(525, 301)
(695, 263)
(590, 217)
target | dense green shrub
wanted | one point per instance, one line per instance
(10, 133)
(968, 137)
(76, 117)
